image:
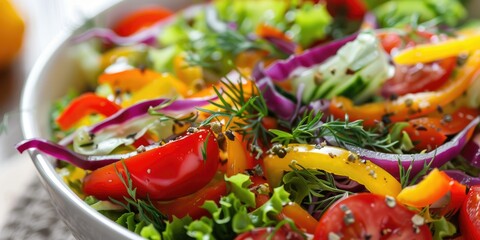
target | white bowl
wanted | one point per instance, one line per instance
(51, 77)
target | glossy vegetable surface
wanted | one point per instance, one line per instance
(370, 216)
(176, 169)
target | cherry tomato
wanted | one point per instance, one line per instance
(284, 233)
(192, 204)
(173, 170)
(351, 9)
(369, 216)
(419, 77)
(470, 214)
(141, 19)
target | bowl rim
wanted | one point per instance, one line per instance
(44, 168)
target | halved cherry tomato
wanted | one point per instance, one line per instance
(369, 216)
(470, 214)
(174, 170)
(192, 204)
(83, 105)
(419, 77)
(284, 233)
(141, 19)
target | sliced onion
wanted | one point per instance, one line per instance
(63, 153)
(281, 70)
(141, 109)
(439, 156)
(471, 152)
(463, 178)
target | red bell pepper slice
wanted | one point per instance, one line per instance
(84, 105)
(174, 170)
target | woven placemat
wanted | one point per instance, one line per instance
(33, 217)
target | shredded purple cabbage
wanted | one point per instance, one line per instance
(141, 109)
(439, 156)
(63, 153)
(283, 45)
(281, 70)
(471, 152)
(463, 178)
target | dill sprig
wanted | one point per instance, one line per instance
(312, 127)
(155, 111)
(145, 208)
(312, 187)
(243, 111)
(405, 178)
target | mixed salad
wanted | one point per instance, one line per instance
(271, 119)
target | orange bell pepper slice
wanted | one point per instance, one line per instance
(433, 187)
(411, 105)
(84, 105)
(128, 80)
(300, 217)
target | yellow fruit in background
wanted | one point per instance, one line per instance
(11, 32)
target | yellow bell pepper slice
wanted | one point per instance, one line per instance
(334, 160)
(433, 187)
(163, 85)
(425, 53)
(411, 105)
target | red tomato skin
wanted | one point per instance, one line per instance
(140, 19)
(284, 233)
(372, 218)
(173, 170)
(470, 215)
(192, 204)
(351, 9)
(419, 78)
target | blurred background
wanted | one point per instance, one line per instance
(27, 27)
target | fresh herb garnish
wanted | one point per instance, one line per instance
(243, 111)
(146, 210)
(312, 187)
(405, 178)
(312, 127)
(204, 148)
